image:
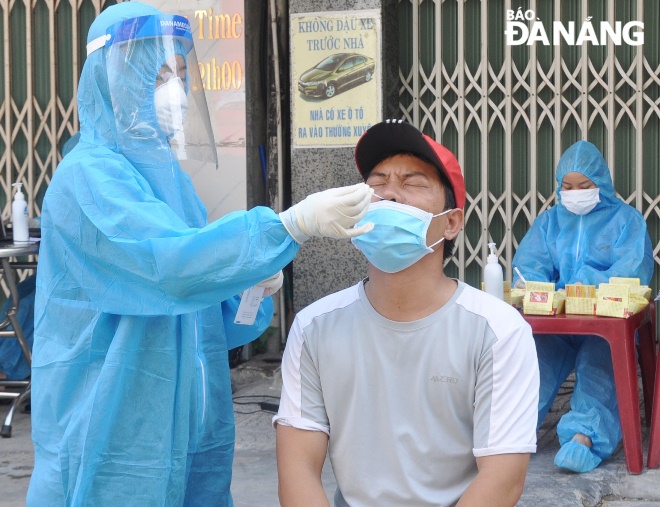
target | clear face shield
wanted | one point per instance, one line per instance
(156, 90)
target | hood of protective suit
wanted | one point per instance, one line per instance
(97, 120)
(583, 157)
(131, 128)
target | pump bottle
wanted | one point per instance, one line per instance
(493, 275)
(19, 216)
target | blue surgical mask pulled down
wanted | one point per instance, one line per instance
(580, 202)
(398, 239)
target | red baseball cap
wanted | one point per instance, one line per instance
(390, 137)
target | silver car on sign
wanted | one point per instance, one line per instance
(335, 73)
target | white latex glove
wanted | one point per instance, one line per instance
(273, 284)
(519, 284)
(331, 214)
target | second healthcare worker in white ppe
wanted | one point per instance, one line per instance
(131, 400)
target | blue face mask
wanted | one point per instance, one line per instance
(398, 239)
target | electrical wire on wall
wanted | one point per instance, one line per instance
(265, 402)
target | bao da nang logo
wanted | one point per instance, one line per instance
(519, 31)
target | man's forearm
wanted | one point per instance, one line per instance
(300, 457)
(302, 490)
(483, 492)
(499, 483)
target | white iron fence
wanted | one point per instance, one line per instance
(509, 111)
(42, 49)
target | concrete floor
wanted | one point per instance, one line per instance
(255, 474)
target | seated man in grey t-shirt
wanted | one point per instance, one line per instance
(423, 389)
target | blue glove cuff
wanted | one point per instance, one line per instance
(290, 223)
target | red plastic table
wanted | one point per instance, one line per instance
(620, 334)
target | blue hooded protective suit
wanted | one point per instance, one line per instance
(562, 247)
(131, 394)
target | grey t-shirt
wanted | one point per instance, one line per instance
(409, 405)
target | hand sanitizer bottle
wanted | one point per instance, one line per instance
(493, 275)
(19, 216)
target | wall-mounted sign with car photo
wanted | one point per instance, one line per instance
(335, 66)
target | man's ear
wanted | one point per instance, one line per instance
(454, 223)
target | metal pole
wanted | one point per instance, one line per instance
(280, 155)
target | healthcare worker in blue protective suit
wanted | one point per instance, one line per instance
(131, 400)
(588, 237)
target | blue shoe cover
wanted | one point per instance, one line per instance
(576, 457)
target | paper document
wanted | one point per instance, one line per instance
(249, 306)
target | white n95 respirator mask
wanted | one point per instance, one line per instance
(580, 202)
(171, 104)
